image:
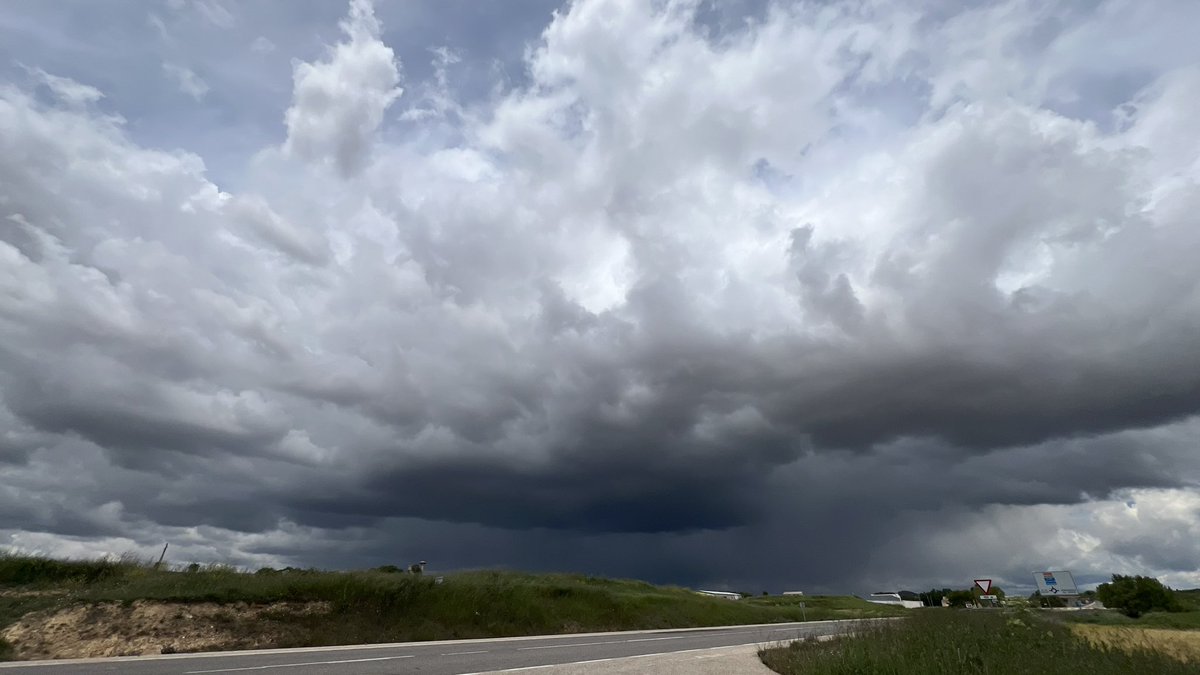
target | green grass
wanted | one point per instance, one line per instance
(1189, 620)
(1189, 600)
(831, 606)
(17, 570)
(966, 642)
(374, 606)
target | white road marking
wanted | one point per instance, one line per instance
(548, 665)
(297, 665)
(572, 644)
(615, 658)
(481, 651)
(613, 642)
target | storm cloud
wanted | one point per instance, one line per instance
(830, 295)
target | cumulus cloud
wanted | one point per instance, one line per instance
(839, 274)
(338, 104)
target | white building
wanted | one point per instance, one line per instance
(894, 599)
(722, 594)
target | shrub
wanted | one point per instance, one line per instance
(1136, 595)
(961, 598)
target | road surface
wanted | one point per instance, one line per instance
(451, 657)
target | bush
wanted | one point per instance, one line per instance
(961, 598)
(1137, 595)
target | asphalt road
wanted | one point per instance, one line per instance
(454, 657)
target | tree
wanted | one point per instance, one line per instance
(934, 596)
(961, 598)
(1136, 595)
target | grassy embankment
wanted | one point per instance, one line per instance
(372, 606)
(966, 642)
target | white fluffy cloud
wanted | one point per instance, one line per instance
(338, 104)
(666, 285)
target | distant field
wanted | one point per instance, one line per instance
(309, 608)
(966, 642)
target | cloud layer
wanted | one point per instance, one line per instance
(912, 286)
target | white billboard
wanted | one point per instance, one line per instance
(1056, 582)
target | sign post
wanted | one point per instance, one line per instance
(1056, 582)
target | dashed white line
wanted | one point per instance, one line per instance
(614, 658)
(481, 651)
(572, 644)
(607, 642)
(297, 665)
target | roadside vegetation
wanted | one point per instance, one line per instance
(1137, 595)
(828, 606)
(1167, 620)
(311, 608)
(966, 642)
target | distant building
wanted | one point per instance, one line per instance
(793, 592)
(893, 598)
(886, 598)
(722, 594)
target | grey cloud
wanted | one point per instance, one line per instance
(569, 320)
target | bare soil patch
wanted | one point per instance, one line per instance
(142, 628)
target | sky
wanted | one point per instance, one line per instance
(825, 296)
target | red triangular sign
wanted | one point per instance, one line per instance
(985, 585)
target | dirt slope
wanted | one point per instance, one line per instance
(115, 629)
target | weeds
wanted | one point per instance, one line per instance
(1181, 644)
(959, 642)
(1177, 620)
(32, 570)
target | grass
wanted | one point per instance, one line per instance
(821, 607)
(374, 606)
(964, 642)
(1175, 620)
(1180, 644)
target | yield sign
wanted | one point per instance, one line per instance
(984, 584)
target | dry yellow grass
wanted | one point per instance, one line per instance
(1180, 644)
